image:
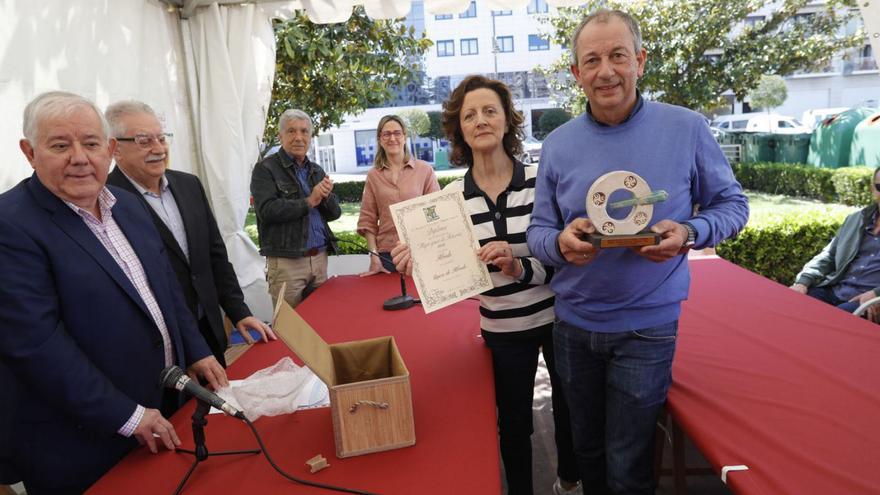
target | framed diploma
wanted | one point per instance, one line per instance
(439, 232)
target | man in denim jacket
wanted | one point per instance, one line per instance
(294, 200)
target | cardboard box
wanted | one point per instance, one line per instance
(370, 396)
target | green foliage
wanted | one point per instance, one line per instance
(770, 92)
(849, 185)
(778, 246)
(445, 181)
(330, 70)
(352, 192)
(417, 121)
(551, 119)
(698, 49)
(346, 239)
(788, 179)
(854, 185)
(349, 192)
(435, 130)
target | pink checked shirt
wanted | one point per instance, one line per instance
(108, 232)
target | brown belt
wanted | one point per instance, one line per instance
(314, 251)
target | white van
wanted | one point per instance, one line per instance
(759, 122)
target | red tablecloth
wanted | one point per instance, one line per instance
(456, 449)
(777, 381)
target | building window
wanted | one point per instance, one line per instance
(445, 48)
(442, 17)
(365, 147)
(469, 46)
(504, 44)
(537, 44)
(470, 12)
(499, 13)
(537, 7)
(754, 19)
(866, 59)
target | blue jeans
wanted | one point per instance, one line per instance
(826, 294)
(616, 385)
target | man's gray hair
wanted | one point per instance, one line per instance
(54, 104)
(120, 109)
(603, 15)
(293, 114)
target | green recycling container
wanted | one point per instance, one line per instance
(865, 149)
(441, 159)
(831, 142)
(758, 147)
(792, 148)
(732, 138)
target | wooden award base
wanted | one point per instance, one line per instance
(644, 238)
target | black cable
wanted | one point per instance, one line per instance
(381, 257)
(293, 478)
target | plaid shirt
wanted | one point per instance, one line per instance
(114, 241)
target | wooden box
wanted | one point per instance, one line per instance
(370, 397)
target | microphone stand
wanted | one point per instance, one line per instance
(201, 450)
(404, 300)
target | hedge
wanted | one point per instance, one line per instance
(848, 185)
(778, 246)
(351, 192)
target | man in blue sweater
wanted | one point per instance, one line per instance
(617, 309)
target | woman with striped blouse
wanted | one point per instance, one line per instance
(516, 316)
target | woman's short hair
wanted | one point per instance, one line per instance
(461, 152)
(381, 158)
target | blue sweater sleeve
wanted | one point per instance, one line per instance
(723, 209)
(547, 222)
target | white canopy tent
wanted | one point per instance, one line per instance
(206, 66)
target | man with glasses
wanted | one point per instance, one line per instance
(294, 200)
(847, 272)
(180, 210)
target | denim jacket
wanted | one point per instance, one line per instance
(282, 208)
(827, 267)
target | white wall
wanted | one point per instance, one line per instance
(807, 92)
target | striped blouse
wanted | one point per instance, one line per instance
(512, 305)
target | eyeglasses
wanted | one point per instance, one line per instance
(877, 187)
(386, 135)
(146, 141)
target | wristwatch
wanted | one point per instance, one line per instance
(691, 237)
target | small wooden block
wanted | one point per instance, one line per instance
(317, 463)
(644, 238)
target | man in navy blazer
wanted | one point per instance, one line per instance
(180, 211)
(91, 312)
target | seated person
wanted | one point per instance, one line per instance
(847, 273)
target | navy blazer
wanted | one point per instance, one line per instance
(207, 277)
(78, 343)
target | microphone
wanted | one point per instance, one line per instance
(403, 301)
(174, 377)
